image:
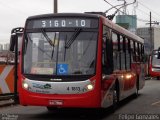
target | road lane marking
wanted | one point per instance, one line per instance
(156, 103)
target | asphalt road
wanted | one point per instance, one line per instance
(147, 106)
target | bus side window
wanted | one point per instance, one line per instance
(128, 61)
(107, 64)
(116, 63)
(133, 52)
(139, 52)
(122, 53)
(136, 52)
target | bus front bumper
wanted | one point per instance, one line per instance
(87, 100)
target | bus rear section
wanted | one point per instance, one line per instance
(154, 64)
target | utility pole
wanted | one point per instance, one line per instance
(150, 31)
(150, 22)
(55, 6)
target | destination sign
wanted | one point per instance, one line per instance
(62, 23)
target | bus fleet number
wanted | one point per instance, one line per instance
(74, 89)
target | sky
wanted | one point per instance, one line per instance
(13, 13)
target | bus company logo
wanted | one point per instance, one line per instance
(40, 86)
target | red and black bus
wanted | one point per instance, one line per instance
(78, 60)
(154, 64)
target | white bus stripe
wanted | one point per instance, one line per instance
(3, 85)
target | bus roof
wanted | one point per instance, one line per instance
(121, 30)
(64, 15)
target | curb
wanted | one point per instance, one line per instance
(6, 97)
(4, 103)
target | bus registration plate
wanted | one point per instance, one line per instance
(55, 102)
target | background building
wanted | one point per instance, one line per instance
(6, 46)
(129, 22)
(151, 38)
(1, 47)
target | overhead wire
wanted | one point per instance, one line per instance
(149, 9)
(118, 9)
(113, 7)
(139, 19)
(148, 14)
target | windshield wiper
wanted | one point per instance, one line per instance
(73, 37)
(49, 40)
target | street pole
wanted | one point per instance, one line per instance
(150, 32)
(150, 20)
(150, 29)
(55, 5)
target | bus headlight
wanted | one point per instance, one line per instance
(90, 87)
(25, 85)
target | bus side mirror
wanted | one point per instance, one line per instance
(13, 41)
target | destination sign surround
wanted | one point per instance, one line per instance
(60, 22)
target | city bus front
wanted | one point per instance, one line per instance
(60, 65)
(154, 68)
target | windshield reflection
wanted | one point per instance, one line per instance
(60, 53)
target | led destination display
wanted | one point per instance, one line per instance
(62, 23)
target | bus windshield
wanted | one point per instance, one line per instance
(60, 52)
